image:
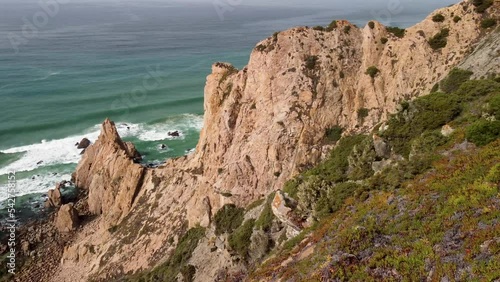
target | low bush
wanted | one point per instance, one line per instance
(456, 19)
(266, 217)
(239, 240)
(332, 26)
(396, 31)
(362, 113)
(488, 22)
(438, 18)
(440, 40)
(334, 134)
(483, 132)
(482, 5)
(347, 29)
(455, 78)
(310, 62)
(371, 24)
(383, 40)
(319, 28)
(372, 71)
(228, 218)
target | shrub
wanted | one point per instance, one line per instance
(319, 28)
(260, 47)
(332, 26)
(455, 79)
(396, 31)
(482, 5)
(425, 113)
(438, 18)
(334, 134)
(487, 23)
(471, 89)
(372, 71)
(228, 218)
(383, 40)
(341, 74)
(188, 273)
(494, 106)
(347, 29)
(310, 62)
(439, 40)
(483, 132)
(266, 217)
(363, 112)
(435, 88)
(371, 24)
(239, 240)
(456, 19)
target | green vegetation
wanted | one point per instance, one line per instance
(488, 22)
(483, 132)
(396, 31)
(228, 218)
(168, 271)
(332, 26)
(319, 28)
(362, 113)
(440, 40)
(334, 134)
(455, 78)
(438, 201)
(347, 29)
(383, 40)
(239, 240)
(482, 5)
(456, 19)
(372, 71)
(438, 18)
(341, 75)
(371, 24)
(310, 62)
(266, 217)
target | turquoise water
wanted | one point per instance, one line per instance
(142, 65)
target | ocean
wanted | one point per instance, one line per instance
(65, 68)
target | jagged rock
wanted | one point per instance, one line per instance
(283, 213)
(83, 144)
(67, 218)
(174, 133)
(207, 219)
(132, 151)
(381, 147)
(108, 172)
(54, 197)
(269, 117)
(379, 166)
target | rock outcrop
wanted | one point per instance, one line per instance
(54, 197)
(83, 144)
(262, 125)
(67, 218)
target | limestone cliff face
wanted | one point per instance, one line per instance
(262, 125)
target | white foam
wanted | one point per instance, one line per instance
(64, 151)
(39, 184)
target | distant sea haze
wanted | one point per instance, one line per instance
(142, 64)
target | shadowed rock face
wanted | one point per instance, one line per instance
(262, 125)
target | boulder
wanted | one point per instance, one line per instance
(447, 130)
(83, 144)
(132, 152)
(381, 148)
(67, 218)
(174, 133)
(54, 197)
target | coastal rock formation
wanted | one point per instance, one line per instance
(54, 198)
(83, 144)
(66, 218)
(262, 125)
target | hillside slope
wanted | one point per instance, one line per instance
(276, 118)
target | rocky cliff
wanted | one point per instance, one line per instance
(262, 125)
